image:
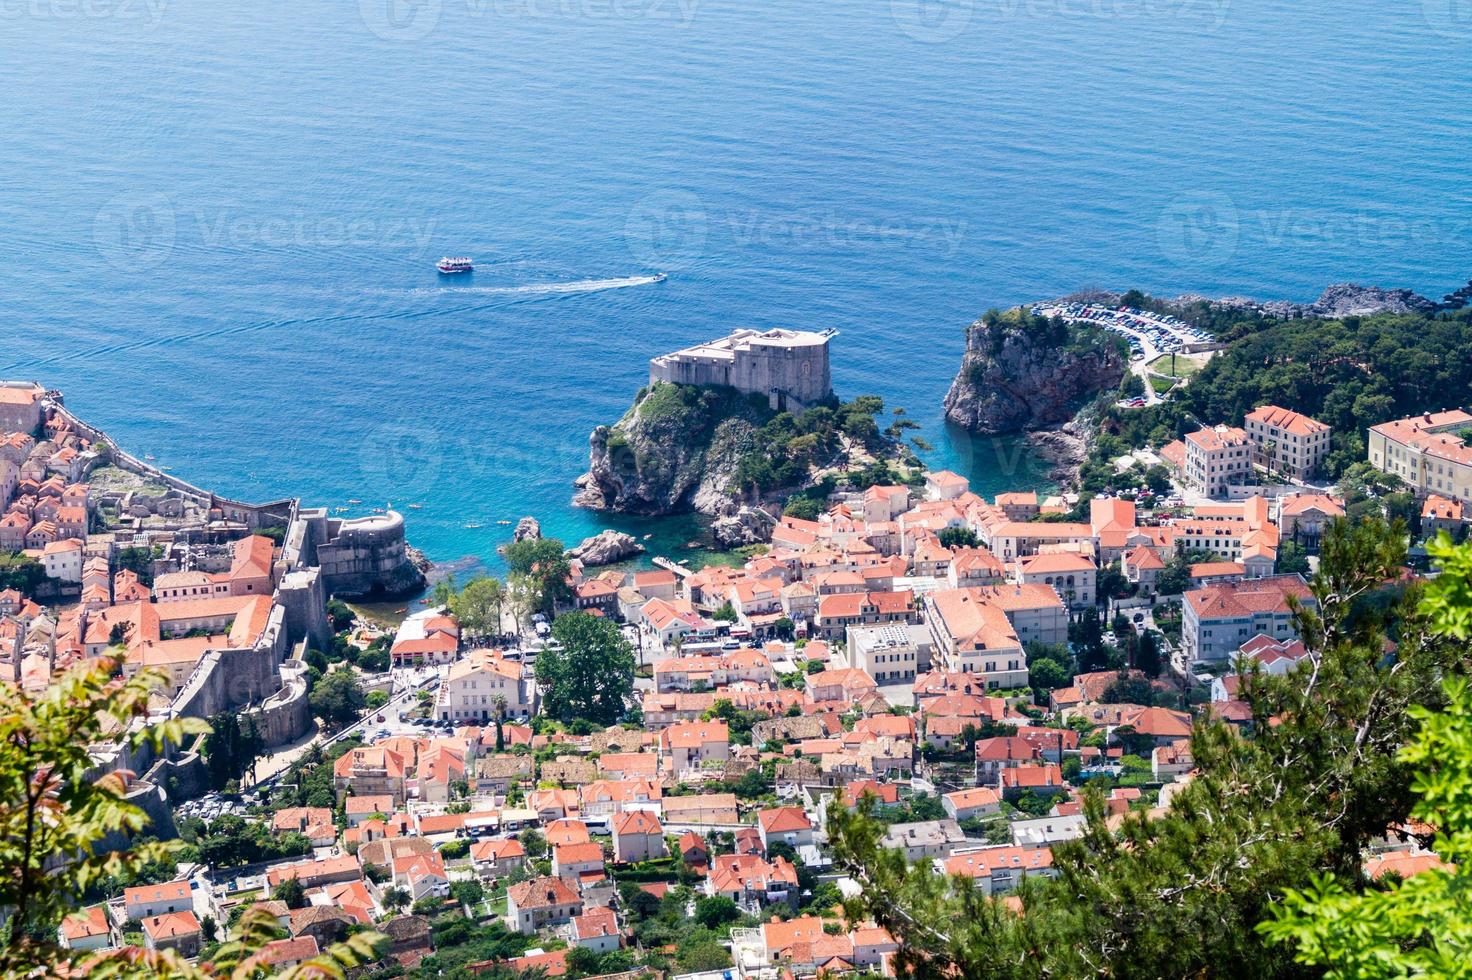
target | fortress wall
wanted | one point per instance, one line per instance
(274, 512)
(792, 375)
(365, 556)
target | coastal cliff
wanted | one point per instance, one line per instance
(715, 451)
(676, 449)
(1023, 373)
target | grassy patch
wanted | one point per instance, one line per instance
(1184, 366)
(1161, 385)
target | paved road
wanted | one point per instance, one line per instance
(407, 684)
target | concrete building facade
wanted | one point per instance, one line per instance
(789, 367)
(1426, 451)
(1286, 442)
(1217, 458)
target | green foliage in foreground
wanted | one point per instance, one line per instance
(1258, 828)
(1421, 927)
(55, 819)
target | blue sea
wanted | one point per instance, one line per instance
(218, 221)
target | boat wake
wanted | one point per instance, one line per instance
(544, 288)
(530, 290)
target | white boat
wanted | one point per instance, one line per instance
(449, 266)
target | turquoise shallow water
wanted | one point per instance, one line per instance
(218, 221)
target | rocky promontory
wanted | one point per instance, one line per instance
(1023, 373)
(676, 449)
(712, 450)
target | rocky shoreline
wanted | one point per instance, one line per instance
(1336, 300)
(1022, 373)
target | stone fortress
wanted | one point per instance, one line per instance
(788, 367)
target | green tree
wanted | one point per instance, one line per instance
(21, 572)
(1147, 654)
(292, 892)
(231, 748)
(716, 911)
(1045, 674)
(542, 570)
(478, 605)
(339, 614)
(592, 676)
(56, 815)
(338, 698)
(467, 892)
(1420, 927)
(1292, 560)
(52, 805)
(957, 537)
(802, 507)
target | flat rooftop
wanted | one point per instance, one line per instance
(725, 348)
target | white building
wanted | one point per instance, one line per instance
(890, 654)
(1217, 458)
(473, 688)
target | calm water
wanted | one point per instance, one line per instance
(218, 220)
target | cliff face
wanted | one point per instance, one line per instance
(1022, 373)
(674, 451)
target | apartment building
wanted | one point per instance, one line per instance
(1426, 451)
(890, 654)
(1218, 619)
(1286, 442)
(972, 633)
(481, 686)
(1217, 458)
(1072, 576)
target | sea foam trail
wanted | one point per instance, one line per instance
(543, 288)
(528, 290)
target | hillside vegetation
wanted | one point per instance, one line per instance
(1350, 373)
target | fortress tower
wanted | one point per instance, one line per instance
(788, 367)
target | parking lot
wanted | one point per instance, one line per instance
(1149, 335)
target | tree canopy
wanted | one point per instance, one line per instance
(592, 675)
(338, 698)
